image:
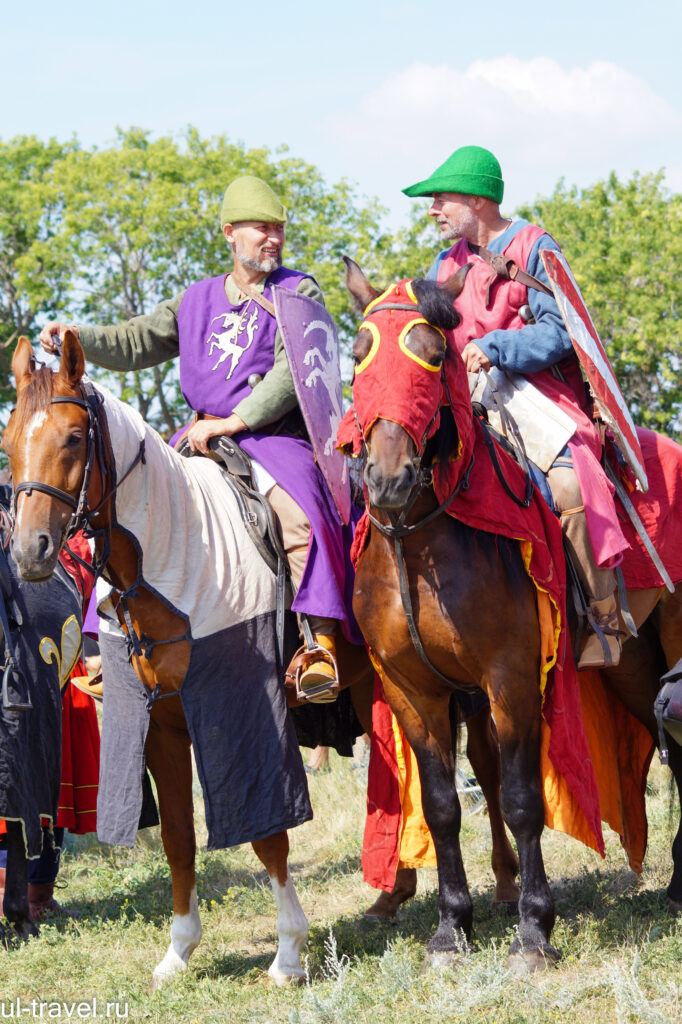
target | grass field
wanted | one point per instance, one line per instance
(621, 951)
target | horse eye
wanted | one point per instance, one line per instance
(73, 440)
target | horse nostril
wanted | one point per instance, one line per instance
(43, 544)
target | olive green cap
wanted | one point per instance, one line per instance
(251, 198)
(471, 170)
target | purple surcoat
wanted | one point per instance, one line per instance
(221, 346)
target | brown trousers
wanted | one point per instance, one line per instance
(294, 529)
(563, 483)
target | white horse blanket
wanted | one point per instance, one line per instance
(197, 556)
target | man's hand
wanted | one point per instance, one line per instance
(201, 432)
(475, 358)
(54, 327)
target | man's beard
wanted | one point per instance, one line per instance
(263, 266)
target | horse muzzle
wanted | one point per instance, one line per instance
(35, 555)
(390, 490)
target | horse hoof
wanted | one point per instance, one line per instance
(533, 960)
(161, 978)
(26, 930)
(441, 959)
(674, 907)
(285, 978)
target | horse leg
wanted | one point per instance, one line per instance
(484, 756)
(386, 904)
(425, 719)
(292, 924)
(168, 758)
(15, 902)
(518, 731)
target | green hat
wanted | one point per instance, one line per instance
(251, 198)
(470, 170)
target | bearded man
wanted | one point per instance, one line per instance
(235, 376)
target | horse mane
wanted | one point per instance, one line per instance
(435, 305)
(35, 396)
(444, 442)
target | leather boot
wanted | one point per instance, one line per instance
(321, 668)
(41, 901)
(605, 614)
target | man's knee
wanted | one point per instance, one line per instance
(563, 483)
(292, 520)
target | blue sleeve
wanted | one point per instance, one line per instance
(435, 266)
(537, 345)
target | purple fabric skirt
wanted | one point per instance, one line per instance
(327, 584)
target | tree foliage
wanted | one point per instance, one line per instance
(623, 241)
(99, 235)
(113, 231)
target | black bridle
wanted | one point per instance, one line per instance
(96, 453)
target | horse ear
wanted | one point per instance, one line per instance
(454, 285)
(23, 360)
(72, 366)
(358, 285)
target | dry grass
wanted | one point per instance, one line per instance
(621, 950)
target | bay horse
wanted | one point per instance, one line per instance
(443, 605)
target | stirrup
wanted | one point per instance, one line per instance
(323, 692)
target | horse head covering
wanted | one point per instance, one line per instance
(393, 382)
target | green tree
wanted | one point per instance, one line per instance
(29, 284)
(623, 241)
(140, 222)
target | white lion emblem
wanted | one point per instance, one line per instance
(227, 340)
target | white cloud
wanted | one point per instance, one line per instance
(542, 120)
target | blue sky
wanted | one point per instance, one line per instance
(377, 92)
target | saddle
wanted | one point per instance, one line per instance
(255, 509)
(257, 516)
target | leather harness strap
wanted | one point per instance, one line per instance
(508, 270)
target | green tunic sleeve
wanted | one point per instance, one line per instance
(141, 342)
(274, 396)
(152, 339)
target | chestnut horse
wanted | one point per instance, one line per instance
(442, 606)
(61, 440)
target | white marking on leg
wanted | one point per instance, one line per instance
(185, 937)
(292, 933)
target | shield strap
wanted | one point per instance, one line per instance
(252, 293)
(508, 270)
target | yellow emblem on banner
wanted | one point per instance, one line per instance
(67, 655)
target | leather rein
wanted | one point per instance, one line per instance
(82, 514)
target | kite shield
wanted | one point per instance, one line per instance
(594, 361)
(312, 347)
